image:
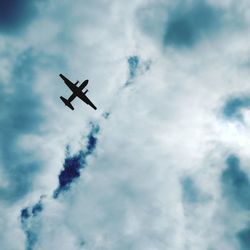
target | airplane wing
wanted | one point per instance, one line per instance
(72, 97)
(84, 84)
(68, 82)
(84, 98)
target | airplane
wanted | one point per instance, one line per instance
(77, 92)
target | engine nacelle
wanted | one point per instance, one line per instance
(85, 91)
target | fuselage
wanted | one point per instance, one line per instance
(76, 90)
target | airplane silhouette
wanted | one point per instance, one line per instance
(77, 92)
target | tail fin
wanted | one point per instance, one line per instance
(66, 102)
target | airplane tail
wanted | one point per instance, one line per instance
(66, 102)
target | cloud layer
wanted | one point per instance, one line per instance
(164, 161)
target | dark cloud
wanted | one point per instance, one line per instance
(92, 140)
(32, 211)
(187, 24)
(236, 184)
(73, 164)
(16, 14)
(21, 114)
(233, 107)
(244, 238)
(30, 228)
(37, 208)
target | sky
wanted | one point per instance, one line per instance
(164, 161)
